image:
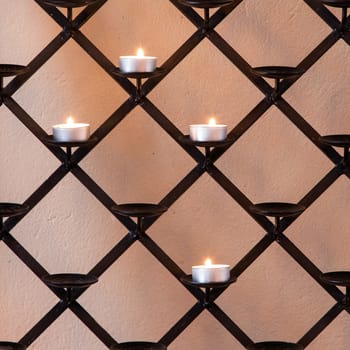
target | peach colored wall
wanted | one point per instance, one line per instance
(69, 230)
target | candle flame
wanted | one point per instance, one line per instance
(212, 121)
(140, 53)
(70, 120)
(208, 262)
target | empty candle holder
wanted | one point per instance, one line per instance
(10, 70)
(277, 73)
(69, 5)
(275, 345)
(139, 211)
(277, 210)
(5, 345)
(344, 5)
(206, 5)
(138, 345)
(10, 210)
(340, 279)
(69, 282)
(341, 141)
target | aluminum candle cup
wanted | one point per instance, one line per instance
(137, 64)
(71, 132)
(208, 132)
(211, 273)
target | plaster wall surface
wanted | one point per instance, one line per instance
(70, 231)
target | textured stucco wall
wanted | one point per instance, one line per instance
(136, 299)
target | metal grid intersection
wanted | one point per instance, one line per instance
(205, 31)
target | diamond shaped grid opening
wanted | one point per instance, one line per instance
(168, 122)
(136, 153)
(280, 34)
(166, 299)
(282, 311)
(63, 334)
(273, 161)
(203, 229)
(325, 108)
(325, 252)
(217, 337)
(111, 33)
(30, 38)
(216, 88)
(71, 72)
(339, 326)
(64, 229)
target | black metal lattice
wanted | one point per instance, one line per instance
(205, 164)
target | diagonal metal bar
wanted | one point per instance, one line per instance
(170, 128)
(239, 62)
(53, 13)
(316, 330)
(263, 106)
(178, 56)
(87, 13)
(109, 259)
(55, 44)
(24, 255)
(32, 125)
(188, 12)
(240, 129)
(330, 19)
(238, 196)
(182, 324)
(323, 12)
(320, 188)
(246, 261)
(36, 63)
(231, 326)
(38, 195)
(105, 129)
(103, 62)
(193, 41)
(251, 256)
(308, 266)
(314, 193)
(91, 323)
(100, 195)
(222, 13)
(177, 191)
(43, 324)
(312, 58)
(306, 129)
(329, 179)
(168, 263)
(181, 188)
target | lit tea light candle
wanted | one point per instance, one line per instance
(210, 273)
(137, 64)
(208, 132)
(71, 132)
